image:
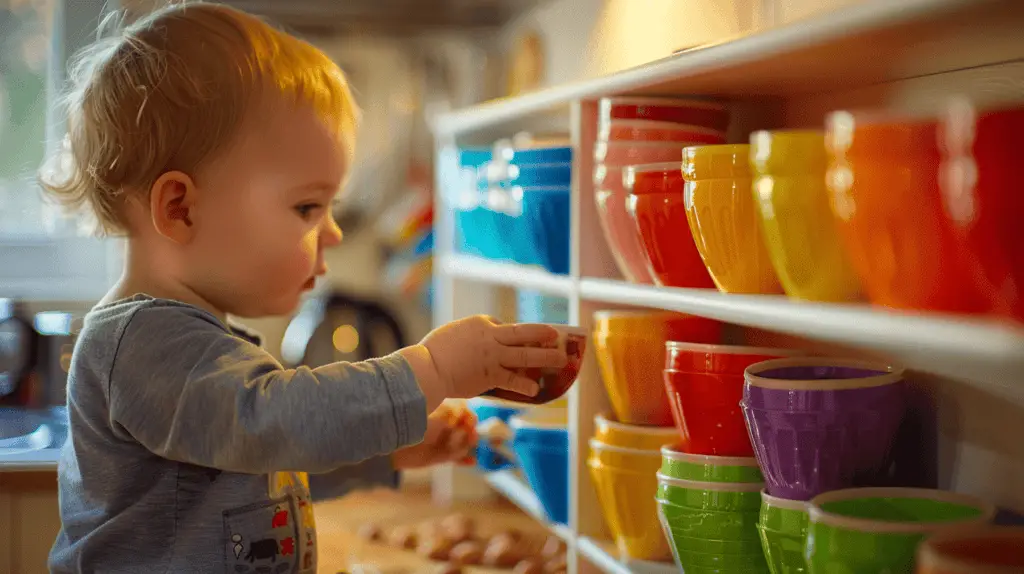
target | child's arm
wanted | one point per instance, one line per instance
(373, 472)
(187, 390)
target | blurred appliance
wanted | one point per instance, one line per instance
(340, 327)
(35, 353)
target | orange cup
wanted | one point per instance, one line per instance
(988, 550)
(884, 192)
(630, 348)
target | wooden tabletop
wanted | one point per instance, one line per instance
(341, 550)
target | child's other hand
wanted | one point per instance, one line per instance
(477, 354)
(451, 436)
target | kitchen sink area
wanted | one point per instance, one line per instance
(31, 439)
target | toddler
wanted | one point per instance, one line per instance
(216, 145)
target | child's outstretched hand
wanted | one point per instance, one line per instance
(471, 356)
(451, 436)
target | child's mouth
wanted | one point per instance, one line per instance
(309, 284)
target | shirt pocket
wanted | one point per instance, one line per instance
(262, 538)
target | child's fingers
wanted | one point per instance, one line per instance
(512, 381)
(531, 357)
(524, 334)
(458, 441)
(467, 418)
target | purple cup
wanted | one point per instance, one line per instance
(820, 424)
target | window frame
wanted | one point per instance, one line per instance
(61, 268)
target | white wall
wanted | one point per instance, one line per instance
(587, 38)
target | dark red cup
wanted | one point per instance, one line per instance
(691, 111)
(982, 201)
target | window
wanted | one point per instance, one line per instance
(25, 32)
(42, 256)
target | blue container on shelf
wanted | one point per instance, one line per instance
(488, 459)
(544, 227)
(533, 155)
(541, 443)
(523, 217)
(536, 307)
(477, 233)
(540, 175)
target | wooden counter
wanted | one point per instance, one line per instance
(341, 550)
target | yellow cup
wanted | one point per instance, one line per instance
(724, 221)
(627, 497)
(799, 229)
(608, 430)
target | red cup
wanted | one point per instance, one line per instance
(623, 153)
(659, 214)
(644, 130)
(692, 111)
(982, 200)
(704, 384)
(711, 428)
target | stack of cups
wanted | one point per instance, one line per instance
(624, 461)
(528, 191)
(635, 131)
(709, 507)
(817, 425)
(710, 483)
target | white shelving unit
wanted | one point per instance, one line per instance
(896, 54)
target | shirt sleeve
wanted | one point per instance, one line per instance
(371, 473)
(189, 390)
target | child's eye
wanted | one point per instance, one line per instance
(307, 209)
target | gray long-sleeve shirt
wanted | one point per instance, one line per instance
(189, 445)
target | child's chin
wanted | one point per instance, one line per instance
(268, 308)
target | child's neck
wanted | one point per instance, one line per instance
(147, 274)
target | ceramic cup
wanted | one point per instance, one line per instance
(878, 530)
(821, 424)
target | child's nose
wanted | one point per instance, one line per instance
(330, 233)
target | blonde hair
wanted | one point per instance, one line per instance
(170, 91)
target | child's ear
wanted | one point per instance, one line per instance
(171, 201)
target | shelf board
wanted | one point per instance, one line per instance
(508, 274)
(865, 44)
(597, 555)
(519, 493)
(951, 345)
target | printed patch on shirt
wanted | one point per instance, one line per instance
(262, 538)
(295, 485)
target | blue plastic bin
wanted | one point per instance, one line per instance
(543, 227)
(541, 175)
(543, 452)
(538, 155)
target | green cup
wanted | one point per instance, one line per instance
(748, 570)
(709, 524)
(705, 468)
(683, 542)
(709, 510)
(718, 496)
(878, 530)
(783, 529)
(723, 562)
